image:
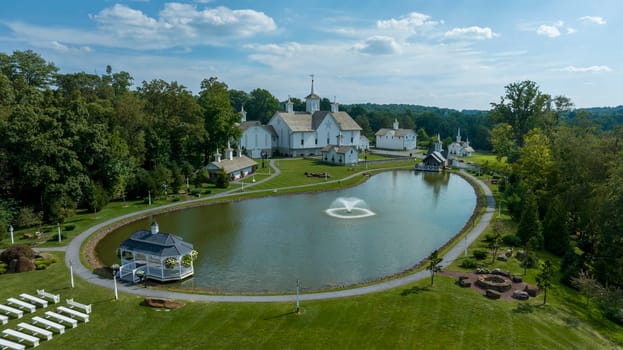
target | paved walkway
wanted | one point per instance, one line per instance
(73, 257)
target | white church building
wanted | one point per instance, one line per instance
(460, 148)
(307, 133)
(256, 139)
(396, 138)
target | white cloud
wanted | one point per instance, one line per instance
(593, 19)
(378, 45)
(406, 23)
(181, 24)
(547, 30)
(589, 69)
(570, 30)
(473, 32)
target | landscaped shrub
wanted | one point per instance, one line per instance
(24, 264)
(469, 263)
(480, 254)
(15, 252)
(511, 241)
(3, 267)
(69, 227)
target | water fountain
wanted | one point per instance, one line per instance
(349, 208)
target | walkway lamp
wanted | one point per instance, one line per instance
(71, 272)
(11, 232)
(115, 269)
(58, 227)
(298, 309)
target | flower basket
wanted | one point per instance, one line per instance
(187, 261)
(170, 263)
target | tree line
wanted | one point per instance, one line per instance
(563, 185)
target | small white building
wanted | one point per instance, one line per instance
(256, 139)
(307, 133)
(460, 148)
(234, 167)
(340, 155)
(396, 138)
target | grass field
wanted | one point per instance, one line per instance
(415, 316)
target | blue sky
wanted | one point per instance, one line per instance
(456, 54)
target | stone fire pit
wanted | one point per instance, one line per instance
(495, 282)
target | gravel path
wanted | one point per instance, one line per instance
(73, 257)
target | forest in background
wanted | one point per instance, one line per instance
(76, 141)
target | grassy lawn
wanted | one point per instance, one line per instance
(413, 317)
(416, 316)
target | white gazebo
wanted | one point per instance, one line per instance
(161, 256)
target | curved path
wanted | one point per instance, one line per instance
(73, 257)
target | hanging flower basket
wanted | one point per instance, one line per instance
(194, 254)
(187, 261)
(170, 263)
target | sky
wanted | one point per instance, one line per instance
(454, 54)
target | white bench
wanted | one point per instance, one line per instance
(21, 304)
(4, 319)
(73, 313)
(6, 344)
(34, 330)
(49, 324)
(56, 298)
(11, 310)
(34, 341)
(86, 308)
(34, 299)
(62, 318)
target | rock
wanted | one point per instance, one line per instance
(491, 294)
(502, 257)
(39, 235)
(532, 290)
(28, 236)
(521, 295)
(509, 253)
(500, 272)
(516, 279)
(520, 254)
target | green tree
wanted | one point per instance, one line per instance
(529, 227)
(433, 266)
(219, 118)
(222, 180)
(261, 105)
(544, 278)
(496, 241)
(587, 285)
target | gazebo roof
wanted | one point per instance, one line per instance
(161, 244)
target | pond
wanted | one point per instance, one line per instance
(266, 244)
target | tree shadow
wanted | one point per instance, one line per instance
(414, 290)
(280, 315)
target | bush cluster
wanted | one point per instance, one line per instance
(480, 254)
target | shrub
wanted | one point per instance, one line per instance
(24, 264)
(170, 263)
(17, 251)
(3, 268)
(69, 227)
(511, 241)
(469, 263)
(480, 254)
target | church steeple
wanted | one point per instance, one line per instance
(458, 136)
(439, 144)
(312, 101)
(243, 114)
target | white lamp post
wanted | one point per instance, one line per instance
(58, 228)
(11, 231)
(71, 272)
(297, 296)
(115, 268)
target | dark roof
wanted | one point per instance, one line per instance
(160, 244)
(233, 165)
(312, 96)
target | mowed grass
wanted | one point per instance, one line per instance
(416, 316)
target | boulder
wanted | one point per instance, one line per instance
(520, 254)
(532, 290)
(502, 257)
(516, 279)
(521, 295)
(24, 264)
(492, 294)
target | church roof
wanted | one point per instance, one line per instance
(394, 132)
(312, 96)
(159, 244)
(248, 124)
(233, 165)
(303, 121)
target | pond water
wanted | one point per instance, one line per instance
(266, 244)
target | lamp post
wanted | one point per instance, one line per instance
(297, 296)
(149, 196)
(58, 228)
(71, 272)
(115, 268)
(11, 231)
